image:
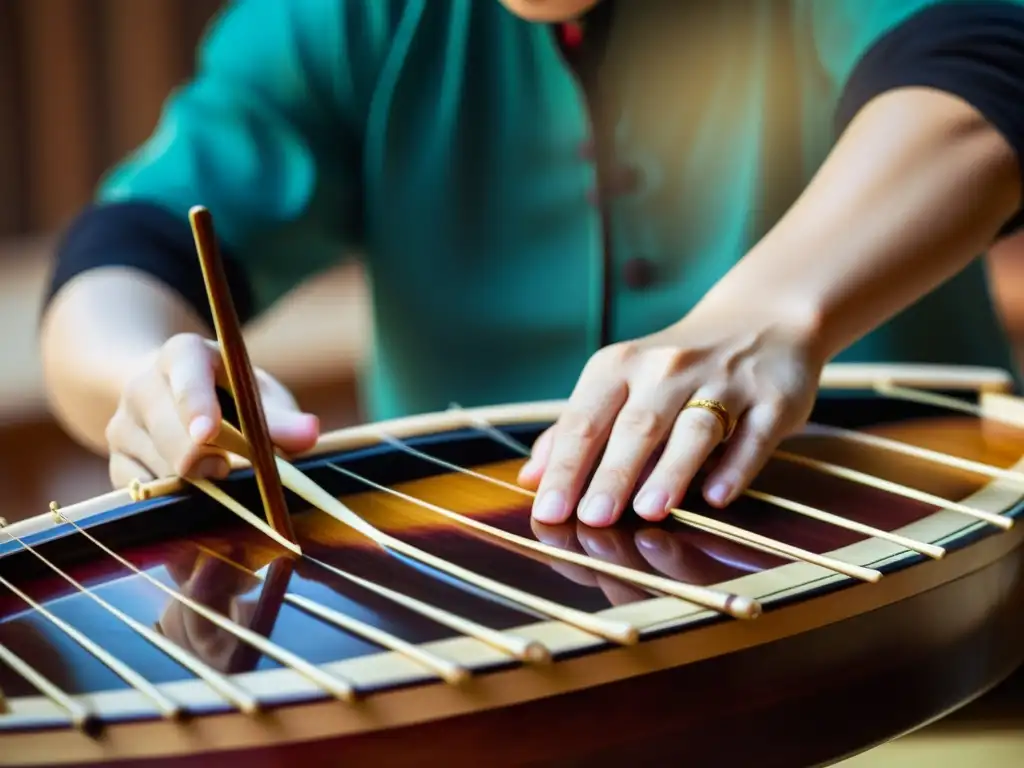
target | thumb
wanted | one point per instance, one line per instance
(533, 469)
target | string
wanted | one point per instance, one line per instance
(254, 520)
(218, 682)
(621, 632)
(926, 398)
(164, 705)
(513, 645)
(863, 478)
(723, 602)
(447, 670)
(914, 451)
(79, 715)
(708, 524)
(931, 550)
(330, 683)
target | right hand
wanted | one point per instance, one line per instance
(168, 413)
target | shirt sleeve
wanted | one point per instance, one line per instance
(266, 135)
(973, 49)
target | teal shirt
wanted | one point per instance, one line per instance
(439, 139)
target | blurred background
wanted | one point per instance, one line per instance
(81, 84)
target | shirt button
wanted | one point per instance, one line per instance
(623, 180)
(639, 273)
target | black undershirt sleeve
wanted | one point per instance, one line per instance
(973, 50)
(148, 238)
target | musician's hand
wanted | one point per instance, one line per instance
(169, 411)
(629, 405)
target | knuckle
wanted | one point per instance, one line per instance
(771, 416)
(117, 474)
(140, 389)
(579, 427)
(703, 427)
(644, 423)
(614, 355)
(190, 400)
(760, 440)
(135, 388)
(123, 471)
(114, 429)
(180, 342)
(182, 346)
(675, 361)
(614, 478)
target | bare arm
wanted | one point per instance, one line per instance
(919, 184)
(917, 187)
(96, 334)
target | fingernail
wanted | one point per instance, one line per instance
(221, 469)
(550, 508)
(719, 493)
(200, 427)
(651, 503)
(597, 510)
(211, 467)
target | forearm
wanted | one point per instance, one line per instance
(96, 333)
(919, 185)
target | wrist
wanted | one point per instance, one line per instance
(868, 239)
(743, 302)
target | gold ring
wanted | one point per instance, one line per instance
(720, 412)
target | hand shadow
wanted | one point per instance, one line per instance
(228, 590)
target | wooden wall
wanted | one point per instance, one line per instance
(81, 84)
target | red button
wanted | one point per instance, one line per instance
(639, 273)
(623, 180)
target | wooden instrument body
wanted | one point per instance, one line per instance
(832, 667)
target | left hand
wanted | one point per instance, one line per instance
(630, 402)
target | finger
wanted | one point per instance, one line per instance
(180, 454)
(531, 472)
(578, 436)
(639, 429)
(695, 435)
(756, 437)
(134, 442)
(192, 366)
(124, 436)
(124, 470)
(292, 431)
(149, 403)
